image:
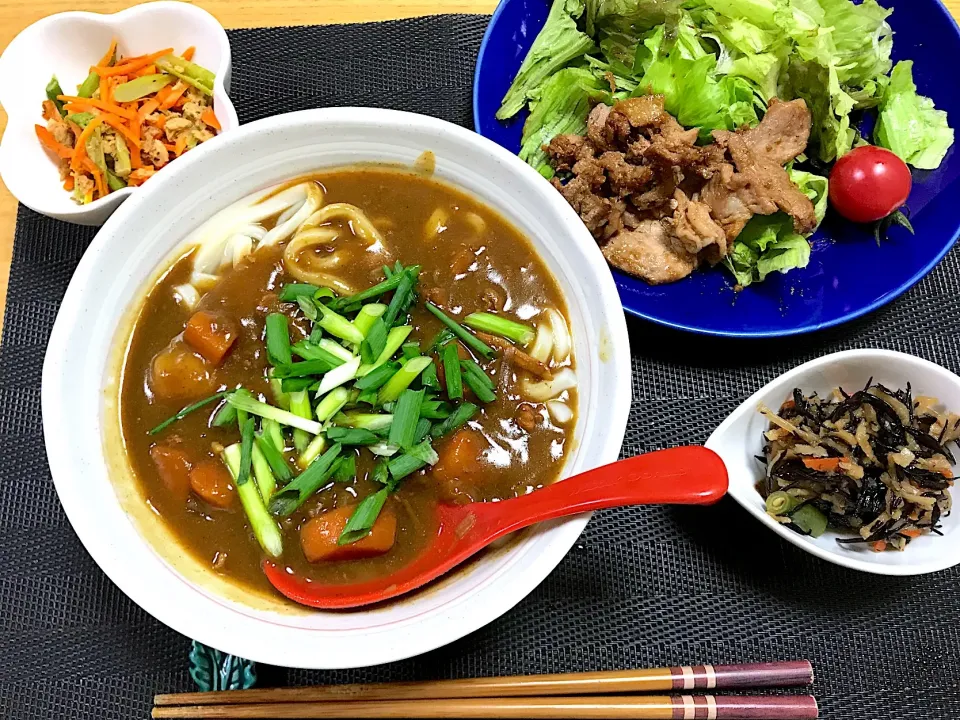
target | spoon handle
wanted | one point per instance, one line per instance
(690, 475)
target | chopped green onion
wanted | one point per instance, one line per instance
(380, 473)
(460, 416)
(402, 379)
(54, 91)
(429, 378)
(338, 376)
(266, 482)
(377, 378)
(278, 339)
(272, 432)
(498, 325)
(339, 326)
(405, 416)
(332, 403)
(363, 518)
(415, 458)
(242, 415)
(383, 449)
(316, 335)
(302, 369)
(324, 293)
(346, 469)
(781, 503)
(187, 410)
(291, 497)
(352, 436)
(312, 351)
(469, 367)
(424, 451)
(336, 349)
(368, 396)
(388, 273)
(226, 415)
(280, 397)
(435, 410)
(451, 371)
(308, 307)
(367, 316)
(441, 338)
(403, 297)
(422, 431)
(283, 417)
(295, 384)
(468, 338)
(365, 421)
(275, 458)
(410, 350)
(480, 388)
(395, 339)
(264, 527)
(375, 341)
(312, 451)
(371, 292)
(290, 293)
(140, 87)
(246, 451)
(300, 406)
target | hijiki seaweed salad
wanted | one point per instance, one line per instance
(875, 463)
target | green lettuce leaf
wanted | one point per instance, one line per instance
(909, 125)
(814, 187)
(560, 106)
(558, 43)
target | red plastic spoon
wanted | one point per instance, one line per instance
(682, 476)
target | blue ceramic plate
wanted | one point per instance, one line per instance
(848, 274)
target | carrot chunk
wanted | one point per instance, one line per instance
(211, 335)
(319, 536)
(460, 456)
(212, 483)
(173, 467)
(830, 464)
(178, 372)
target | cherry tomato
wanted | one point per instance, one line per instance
(868, 184)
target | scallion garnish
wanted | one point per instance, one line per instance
(480, 388)
(461, 415)
(371, 292)
(308, 307)
(451, 371)
(346, 470)
(225, 416)
(352, 436)
(406, 413)
(313, 351)
(261, 409)
(295, 384)
(246, 451)
(363, 518)
(410, 349)
(402, 379)
(302, 369)
(429, 378)
(332, 403)
(403, 297)
(395, 339)
(187, 410)
(290, 293)
(338, 326)
(468, 338)
(377, 378)
(275, 459)
(409, 462)
(366, 421)
(375, 341)
(278, 339)
(422, 431)
(435, 409)
(499, 325)
(285, 501)
(264, 527)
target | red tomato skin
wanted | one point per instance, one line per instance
(869, 183)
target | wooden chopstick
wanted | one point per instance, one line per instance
(697, 677)
(643, 707)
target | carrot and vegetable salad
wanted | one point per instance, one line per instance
(127, 119)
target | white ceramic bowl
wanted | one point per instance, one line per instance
(79, 415)
(66, 45)
(738, 440)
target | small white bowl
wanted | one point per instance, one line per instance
(80, 372)
(738, 440)
(66, 45)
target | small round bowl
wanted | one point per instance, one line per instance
(66, 45)
(81, 369)
(738, 440)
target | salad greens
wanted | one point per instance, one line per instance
(718, 63)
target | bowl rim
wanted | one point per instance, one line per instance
(563, 534)
(96, 212)
(747, 496)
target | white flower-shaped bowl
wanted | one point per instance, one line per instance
(66, 45)
(738, 441)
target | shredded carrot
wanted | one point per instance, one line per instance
(181, 144)
(912, 532)
(104, 89)
(109, 57)
(188, 53)
(210, 118)
(175, 94)
(90, 103)
(822, 464)
(50, 142)
(68, 184)
(79, 150)
(118, 125)
(91, 168)
(138, 177)
(129, 65)
(879, 545)
(146, 70)
(170, 146)
(50, 110)
(147, 108)
(159, 123)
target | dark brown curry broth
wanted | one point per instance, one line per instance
(400, 204)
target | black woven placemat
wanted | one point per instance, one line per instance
(642, 587)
